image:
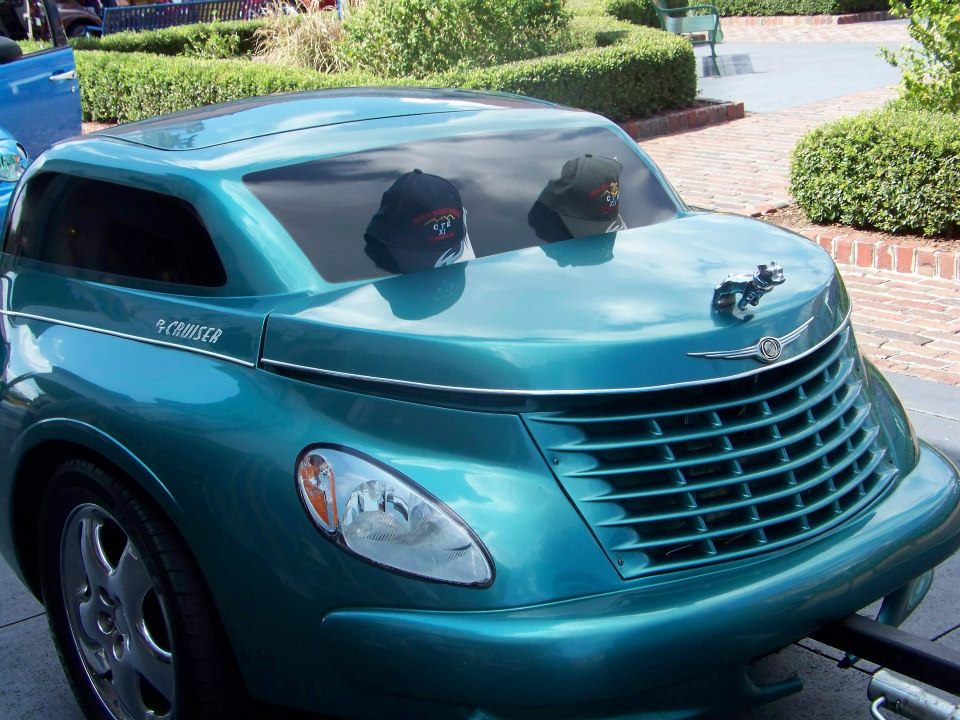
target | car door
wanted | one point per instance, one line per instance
(39, 92)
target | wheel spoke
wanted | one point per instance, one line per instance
(126, 681)
(131, 580)
(94, 560)
(88, 640)
(88, 611)
(154, 663)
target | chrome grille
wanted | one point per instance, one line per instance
(681, 478)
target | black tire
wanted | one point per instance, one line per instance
(77, 30)
(139, 608)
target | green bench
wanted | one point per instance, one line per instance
(677, 20)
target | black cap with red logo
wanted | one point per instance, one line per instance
(586, 196)
(419, 224)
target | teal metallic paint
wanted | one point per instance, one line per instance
(597, 649)
(570, 337)
(258, 117)
(214, 441)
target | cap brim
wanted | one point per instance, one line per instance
(581, 227)
(414, 259)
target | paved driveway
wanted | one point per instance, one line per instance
(773, 68)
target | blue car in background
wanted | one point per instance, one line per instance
(39, 92)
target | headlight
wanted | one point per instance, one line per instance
(12, 164)
(376, 513)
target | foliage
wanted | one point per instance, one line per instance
(215, 46)
(931, 73)
(650, 71)
(638, 12)
(419, 37)
(587, 31)
(797, 7)
(309, 39)
(218, 39)
(895, 170)
(32, 46)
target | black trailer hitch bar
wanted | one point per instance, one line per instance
(904, 653)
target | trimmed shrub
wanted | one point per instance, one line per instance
(638, 12)
(32, 46)
(589, 31)
(894, 170)
(419, 37)
(651, 71)
(131, 86)
(798, 7)
(200, 40)
(931, 71)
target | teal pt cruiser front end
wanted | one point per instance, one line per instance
(421, 403)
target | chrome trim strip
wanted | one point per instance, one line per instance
(125, 336)
(754, 351)
(545, 393)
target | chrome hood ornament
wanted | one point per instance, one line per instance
(753, 287)
(766, 349)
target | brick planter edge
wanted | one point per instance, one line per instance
(884, 255)
(681, 120)
(791, 20)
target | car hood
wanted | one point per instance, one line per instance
(609, 313)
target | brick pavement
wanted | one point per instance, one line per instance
(743, 166)
(907, 323)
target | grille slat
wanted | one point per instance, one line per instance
(754, 502)
(735, 479)
(736, 529)
(766, 417)
(780, 442)
(676, 479)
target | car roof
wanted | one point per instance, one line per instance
(264, 116)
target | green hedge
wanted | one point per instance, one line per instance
(590, 31)
(420, 37)
(638, 12)
(131, 86)
(894, 170)
(650, 71)
(797, 7)
(180, 40)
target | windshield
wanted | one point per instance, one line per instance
(424, 204)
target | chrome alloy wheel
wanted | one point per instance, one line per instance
(118, 620)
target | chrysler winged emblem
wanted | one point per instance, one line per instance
(766, 349)
(753, 287)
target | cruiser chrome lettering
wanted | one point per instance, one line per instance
(189, 331)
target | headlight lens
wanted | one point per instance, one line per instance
(12, 164)
(376, 513)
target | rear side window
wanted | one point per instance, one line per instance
(358, 216)
(112, 233)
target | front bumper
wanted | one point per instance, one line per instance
(616, 648)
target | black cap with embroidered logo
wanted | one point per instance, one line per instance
(586, 196)
(419, 224)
